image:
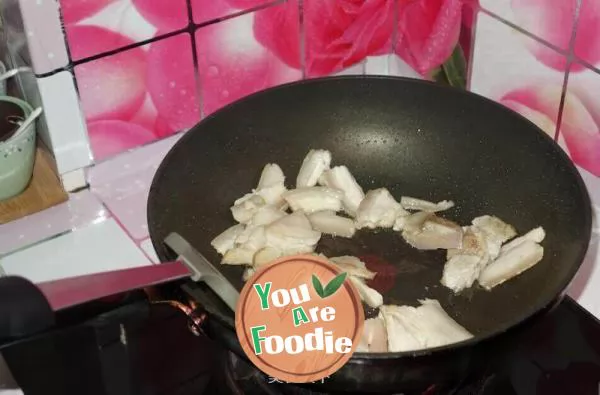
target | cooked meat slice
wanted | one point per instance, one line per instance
(329, 223)
(465, 264)
(399, 337)
(265, 256)
(461, 271)
(410, 203)
(266, 215)
(314, 164)
(435, 327)
(225, 241)
(495, 228)
(353, 266)
(434, 233)
(292, 234)
(378, 209)
(248, 272)
(247, 244)
(374, 336)
(368, 295)
(511, 263)
(271, 185)
(314, 199)
(536, 235)
(340, 178)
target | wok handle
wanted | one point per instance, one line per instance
(203, 270)
(24, 310)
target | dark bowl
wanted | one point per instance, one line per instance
(10, 114)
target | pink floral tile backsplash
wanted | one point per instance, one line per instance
(204, 11)
(504, 69)
(232, 61)
(580, 126)
(547, 73)
(587, 44)
(146, 69)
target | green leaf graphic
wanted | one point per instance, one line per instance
(317, 286)
(335, 284)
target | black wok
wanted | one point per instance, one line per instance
(417, 139)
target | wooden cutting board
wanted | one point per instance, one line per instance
(44, 191)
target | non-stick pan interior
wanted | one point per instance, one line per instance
(416, 139)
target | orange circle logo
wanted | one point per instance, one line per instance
(299, 319)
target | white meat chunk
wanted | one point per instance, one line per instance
(245, 207)
(314, 164)
(496, 232)
(367, 294)
(411, 222)
(410, 203)
(292, 234)
(340, 178)
(416, 328)
(265, 256)
(248, 272)
(435, 327)
(474, 243)
(374, 336)
(353, 266)
(399, 338)
(378, 209)
(247, 244)
(271, 175)
(434, 233)
(271, 185)
(465, 264)
(329, 223)
(536, 235)
(225, 241)
(495, 228)
(461, 271)
(314, 199)
(511, 263)
(266, 215)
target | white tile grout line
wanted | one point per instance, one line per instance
(136, 242)
(97, 220)
(525, 32)
(476, 11)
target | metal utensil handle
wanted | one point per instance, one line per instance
(203, 270)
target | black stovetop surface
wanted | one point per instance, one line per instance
(560, 355)
(139, 349)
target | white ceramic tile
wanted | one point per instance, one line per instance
(82, 209)
(123, 17)
(357, 69)
(74, 180)
(398, 67)
(123, 183)
(46, 42)
(94, 249)
(377, 65)
(65, 123)
(547, 20)
(131, 162)
(148, 248)
(504, 69)
(501, 60)
(580, 127)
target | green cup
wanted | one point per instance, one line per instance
(17, 155)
